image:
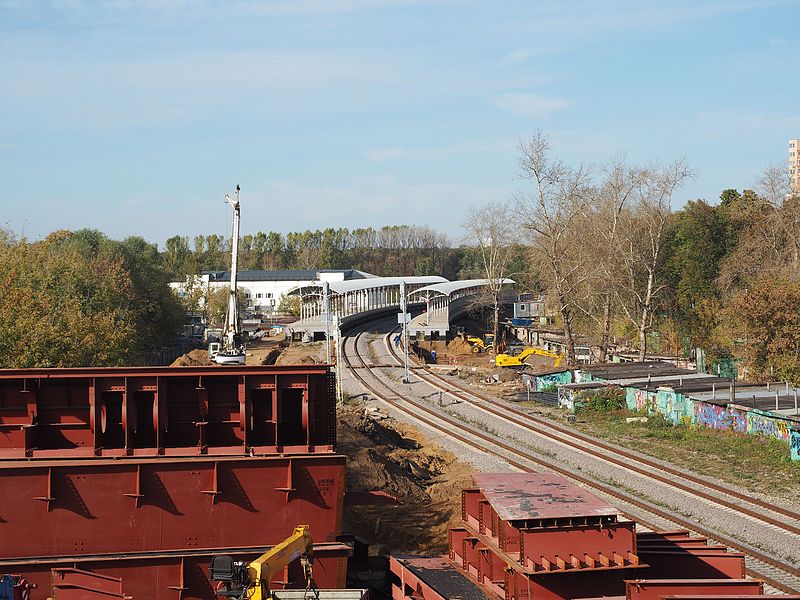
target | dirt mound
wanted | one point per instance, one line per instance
(302, 354)
(459, 346)
(193, 358)
(392, 457)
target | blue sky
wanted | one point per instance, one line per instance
(135, 117)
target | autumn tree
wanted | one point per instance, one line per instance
(766, 319)
(492, 231)
(549, 213)
(601, 227)
(643, 233)
(80, 299)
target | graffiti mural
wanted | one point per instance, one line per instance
(719, 417)
(560, 378)
(767, 425)
(794, 444)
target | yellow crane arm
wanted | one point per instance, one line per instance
(264, 569)
(251, 581)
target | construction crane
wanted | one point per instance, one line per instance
(517, 358)
(232, 350)
(251, 581)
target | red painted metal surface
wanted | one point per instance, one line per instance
(178, 575)
(545, 524)
(731, 597)
(694, 563)
(50, 508)
(655, 589)
(430, 578)
(564, 586)
(589, 546)
(539, 496)
(173, 411)
(76, 584)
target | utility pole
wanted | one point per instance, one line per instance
(337, 332)
(403, 318)
(326, 307)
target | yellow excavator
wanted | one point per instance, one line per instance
(251, 581)
(516, 357)
(484, 344)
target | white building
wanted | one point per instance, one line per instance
(794, 166)
(263, 290)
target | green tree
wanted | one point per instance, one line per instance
(699, 242)
(80, 299)
(64, 304)
(767, 322)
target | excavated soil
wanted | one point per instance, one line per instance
(265, 351)
(392, 457)
(193, 358)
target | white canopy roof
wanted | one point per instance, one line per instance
(353, 285)
(447, 288)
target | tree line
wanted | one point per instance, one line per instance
(82, 299)
(618, 266)
(388, 251)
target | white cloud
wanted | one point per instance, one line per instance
(531, 105)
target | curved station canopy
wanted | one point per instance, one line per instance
(346, 299)
(445, 299)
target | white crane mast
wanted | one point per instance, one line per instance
(232, 351)
(232, 326)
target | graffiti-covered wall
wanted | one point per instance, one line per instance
(560, 378)
(715, 416)
(794, 444)
(680, 409)
(768, 425)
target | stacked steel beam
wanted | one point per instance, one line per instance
(145, 474)
(536, 536)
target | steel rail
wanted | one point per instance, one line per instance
(489, 443)
(546, 429)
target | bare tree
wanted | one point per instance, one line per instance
(642, 232)
(613, 195)
(550, 213)
(773, 187)
(491, 228)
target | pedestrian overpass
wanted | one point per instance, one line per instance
(360, 300)
(445, 301)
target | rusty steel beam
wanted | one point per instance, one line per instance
(166, 411)
(519, 586)
(431, 578)
(75, 507)
(734, 597)
(76, 584)
(655, 589)
(180, 575)
(694, 563)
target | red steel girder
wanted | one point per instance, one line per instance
(181, 575)
(431, 578)
(170, 411)
(693, 563)
(73, 507)
(76, 584)
(655, 589)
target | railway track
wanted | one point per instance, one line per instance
(788, 520)
(778, 574)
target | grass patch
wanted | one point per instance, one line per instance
(756, 462)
